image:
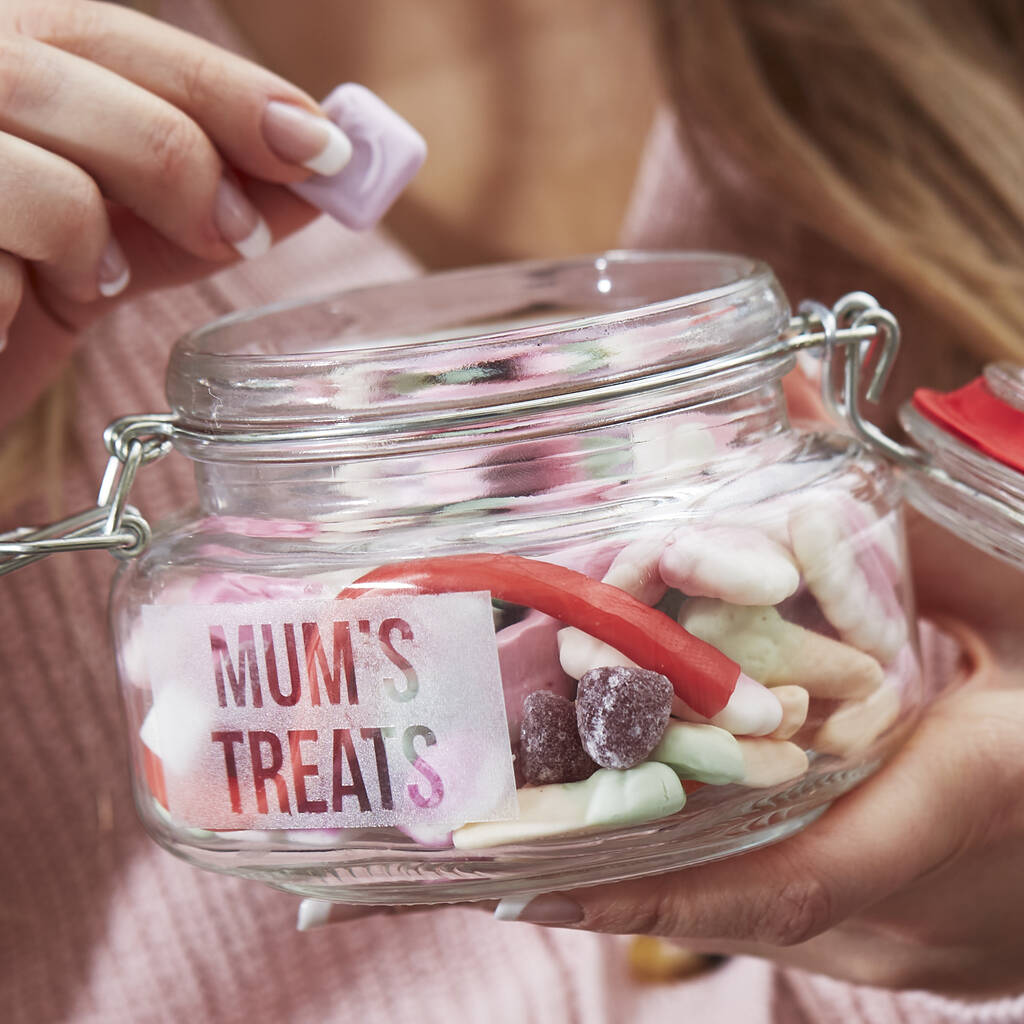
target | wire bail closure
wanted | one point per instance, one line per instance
(856, 337)
(113, 525)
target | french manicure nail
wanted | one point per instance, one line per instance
(300, 137)
(550, 908)
(317, 913)
(386, 153)
(239, 221)
(114, 271)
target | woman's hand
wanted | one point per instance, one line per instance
(119, 142)
(913, 880)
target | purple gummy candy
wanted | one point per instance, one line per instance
(386, 154)
(550, 749)
(622, 714)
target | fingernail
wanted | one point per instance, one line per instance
(239, 221)
(317, 913)
(550, 908)
(114, 271)
(388, 152)
(300, 137)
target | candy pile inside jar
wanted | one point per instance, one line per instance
(629, 722)
(709, 654)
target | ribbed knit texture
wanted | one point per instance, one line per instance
(100, 926)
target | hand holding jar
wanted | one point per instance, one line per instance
(913, 879)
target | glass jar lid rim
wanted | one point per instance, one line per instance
(399, 355)
(747, 270)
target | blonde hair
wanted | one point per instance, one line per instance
(893, 127)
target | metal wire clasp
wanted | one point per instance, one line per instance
(113, 524)
(853, 334)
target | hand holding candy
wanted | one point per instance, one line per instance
(140, 156)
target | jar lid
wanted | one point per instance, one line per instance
(973, 482)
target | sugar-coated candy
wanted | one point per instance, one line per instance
(622, 713)
(795, 701)
(702, 752)
(859, 605)
(607, 799)
(778, 652)
(856, 724)
(549, 747)
(733, 563)
(752, 710)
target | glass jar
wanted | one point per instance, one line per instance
(507, 580)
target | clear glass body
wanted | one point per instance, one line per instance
(713, 606)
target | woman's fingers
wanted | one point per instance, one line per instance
(142, 151)
(12, 284)
(263, 125)
(53, 215)
(921, 812)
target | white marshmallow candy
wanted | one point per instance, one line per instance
(176, 729)
(854, 726)
(635, 570)
(752, 709)
(714, 756)
(826, 555)
(768, 763)
(795, 701)
(609, 798)
(579, 652)
(702, 752)
(734, 563)
(778, 652)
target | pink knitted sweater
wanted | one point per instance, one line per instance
(99, 925)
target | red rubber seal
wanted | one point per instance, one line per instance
(979, 418)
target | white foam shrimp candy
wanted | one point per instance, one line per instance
(856, 724)
(753, 710)
(778, 652)
(607, 799)
(702, 752)
(579, 652)
(708, 754)
(733, 563)
(768, 762)
(635, 570)
(862, 614)
(795, 701)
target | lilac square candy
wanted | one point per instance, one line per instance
(386, 154)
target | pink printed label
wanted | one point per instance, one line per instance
(329, 714)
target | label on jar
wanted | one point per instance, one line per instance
(328, 714)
